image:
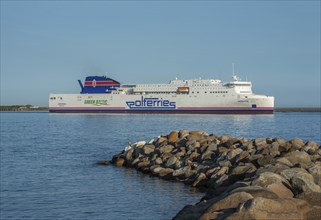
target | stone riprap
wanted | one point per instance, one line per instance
(263, 178)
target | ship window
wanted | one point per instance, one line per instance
(205, 92)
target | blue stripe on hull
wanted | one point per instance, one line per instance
(221, 111)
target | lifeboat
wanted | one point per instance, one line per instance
(183, 89)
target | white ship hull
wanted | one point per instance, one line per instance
(178, 97)
(206, 104)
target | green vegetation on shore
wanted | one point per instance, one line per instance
(22, 108)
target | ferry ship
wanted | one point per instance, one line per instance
(101, 94)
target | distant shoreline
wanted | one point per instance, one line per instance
(297, 109)
(23, 108)
(36, 108)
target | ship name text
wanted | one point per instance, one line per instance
(95, 102)
(151, 103)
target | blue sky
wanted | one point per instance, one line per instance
(46, 46)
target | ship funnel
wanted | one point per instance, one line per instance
(98, 84)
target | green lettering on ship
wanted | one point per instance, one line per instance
(96, 102)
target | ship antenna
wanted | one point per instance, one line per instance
(233, 69)
(234, 77)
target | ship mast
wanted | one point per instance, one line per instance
(233, 74)
(234, 77)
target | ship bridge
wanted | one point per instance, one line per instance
(240, 87)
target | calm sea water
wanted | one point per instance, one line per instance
(48, 168)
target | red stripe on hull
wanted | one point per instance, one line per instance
(90, 83)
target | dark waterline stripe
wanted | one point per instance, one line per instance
(164, 111)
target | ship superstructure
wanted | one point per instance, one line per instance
(101, 94)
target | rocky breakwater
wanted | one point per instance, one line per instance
(263, 178)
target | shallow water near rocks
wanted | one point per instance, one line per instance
(49, 171)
